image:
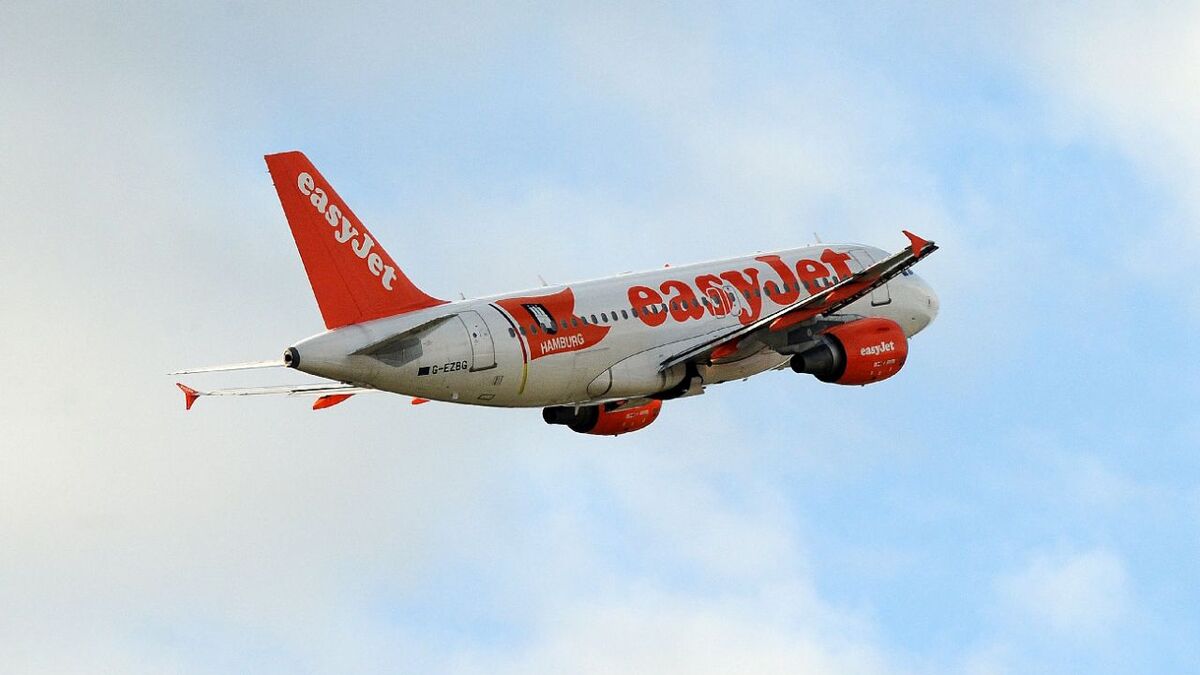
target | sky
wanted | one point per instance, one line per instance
(1022, 498)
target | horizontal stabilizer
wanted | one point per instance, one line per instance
(249, 365)
(322, 390)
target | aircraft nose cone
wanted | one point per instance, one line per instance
(925, 304)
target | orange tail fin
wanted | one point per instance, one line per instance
(354, 279)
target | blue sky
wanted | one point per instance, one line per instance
(1023, 498)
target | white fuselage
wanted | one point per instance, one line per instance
(599, 340)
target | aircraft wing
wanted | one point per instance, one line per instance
(825, 302)
(330, 394)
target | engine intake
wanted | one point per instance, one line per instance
(856, 353)
(609, 419)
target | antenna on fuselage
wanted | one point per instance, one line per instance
(544, 284)
(817, 238)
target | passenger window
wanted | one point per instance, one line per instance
(604, 317)
(594, 319)
(511, 333)
(758, 292)
(574, 322)
(564, 324)
(533, 329)
(614, 315)
(674, 306)
(523, 331)
(632, 310)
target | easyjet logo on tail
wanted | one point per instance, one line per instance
(346, 232)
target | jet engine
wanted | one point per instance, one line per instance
(856, 352)
(608, 419)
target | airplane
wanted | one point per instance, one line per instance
(599, 357)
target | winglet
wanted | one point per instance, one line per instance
(329, 400)
(918, 244)
(189, 395)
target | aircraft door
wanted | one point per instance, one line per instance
(482, 348)
(864, 259)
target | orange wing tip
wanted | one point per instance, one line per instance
(189, 395)
(917, 244)
(419, 401)
(329, 400)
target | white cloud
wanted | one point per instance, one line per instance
(1077, 595)
(1126, 70)
(788, 149)
(1123, 75)
(653, 632)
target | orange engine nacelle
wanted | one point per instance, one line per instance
(857, 352)
(608, 419)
